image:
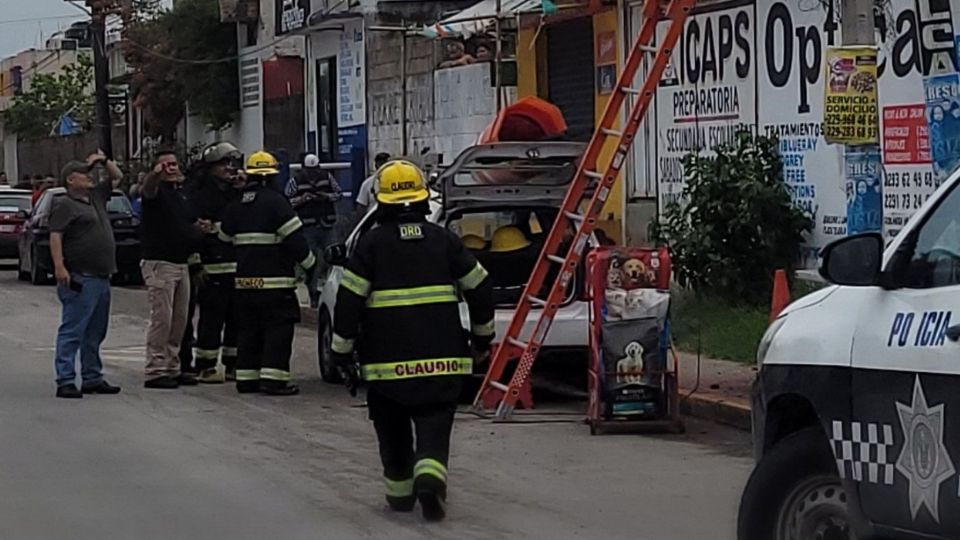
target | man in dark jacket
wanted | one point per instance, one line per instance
(271, 250)
(170, 233)
(313, 192)
(398, 302)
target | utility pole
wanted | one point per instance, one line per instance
(101, 75)
(857, 22)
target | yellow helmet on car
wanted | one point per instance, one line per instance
(262, 164)
(401, 182)
(507, 239)
(474, 242)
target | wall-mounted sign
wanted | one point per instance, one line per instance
(291, 15)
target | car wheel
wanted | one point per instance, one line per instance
(795, 493)
(328, 371)
(38, 276)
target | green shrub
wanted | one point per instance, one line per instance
(735, 223)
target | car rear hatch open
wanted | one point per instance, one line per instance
(518, 186)
(510, 172)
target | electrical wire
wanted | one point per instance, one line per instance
(38, 19)
(222, 60)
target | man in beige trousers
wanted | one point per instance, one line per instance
(170, 233)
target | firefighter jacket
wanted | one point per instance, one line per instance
(268, 240)
(210, 198)
(398, 302)
(312, 194)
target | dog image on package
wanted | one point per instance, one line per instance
(630, 367)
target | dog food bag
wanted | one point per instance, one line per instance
(633, 366)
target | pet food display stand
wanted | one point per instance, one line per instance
(632, 377)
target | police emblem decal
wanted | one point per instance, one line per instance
(924, 460)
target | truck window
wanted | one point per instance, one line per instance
(936, 258)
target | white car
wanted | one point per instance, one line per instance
(856, 404)
(487, 187)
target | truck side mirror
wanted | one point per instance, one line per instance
(854, 261)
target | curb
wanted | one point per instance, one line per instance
(718, 409)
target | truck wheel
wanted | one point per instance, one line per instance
(795, 493)
(328, 372)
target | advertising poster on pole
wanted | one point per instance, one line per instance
(908, 174)
(943, 117)
(850, 115)
(707, 93)
(862, 168)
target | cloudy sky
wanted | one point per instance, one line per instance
(28, 23)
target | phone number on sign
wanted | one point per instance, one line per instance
(905, 201)
(917, 179)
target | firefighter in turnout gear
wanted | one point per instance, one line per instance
(398, 305)
(271, 252)
(214, 189)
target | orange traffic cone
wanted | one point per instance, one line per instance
(781, 294)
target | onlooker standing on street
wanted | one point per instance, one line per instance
(39, 186)
(84, 257)
(170, 234)
(365, 197)
(313, 192)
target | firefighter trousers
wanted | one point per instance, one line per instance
(412, 466)
(217, 326)
(265, 321)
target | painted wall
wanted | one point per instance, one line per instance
(762, 64)
(465, 103)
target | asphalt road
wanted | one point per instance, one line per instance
(207, 463)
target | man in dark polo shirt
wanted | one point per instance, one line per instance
(170, 233)
(83, 253)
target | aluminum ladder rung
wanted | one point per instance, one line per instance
(536, 301)
(611, 132)
(516, 342)
(557, 259)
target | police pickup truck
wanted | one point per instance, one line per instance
(857, 402)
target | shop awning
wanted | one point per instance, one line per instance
(479, 17)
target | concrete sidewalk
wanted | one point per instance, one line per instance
(723, 392)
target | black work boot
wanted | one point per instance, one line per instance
(278, 388)
(402, 504)
(248, 387)
(162, 383)
(432, 494)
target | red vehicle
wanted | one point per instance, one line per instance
(14, 208)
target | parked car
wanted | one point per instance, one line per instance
(855, 405)
(14, 207)
(35, 264)
(488, 187)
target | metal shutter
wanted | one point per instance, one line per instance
(570, 73)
